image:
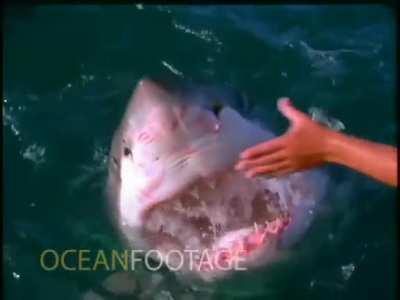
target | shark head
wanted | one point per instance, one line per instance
(172, 182)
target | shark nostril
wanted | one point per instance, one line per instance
(115, 161)
(216, 109)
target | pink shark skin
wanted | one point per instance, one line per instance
(172, 184)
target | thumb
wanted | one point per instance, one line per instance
(286, 107)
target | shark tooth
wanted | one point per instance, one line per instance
(212, 183)
(203, 206)
(195, 192)
(178, 205)
(213, 231)
(255, 227)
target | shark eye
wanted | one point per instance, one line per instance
(127, 151)
(216, 108)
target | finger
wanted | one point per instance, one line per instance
(272, 158)
(286, 107)
(263, 148)
(265, 170)
(282, 172)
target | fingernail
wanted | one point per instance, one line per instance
(238, 166)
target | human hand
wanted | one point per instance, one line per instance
(303, 146)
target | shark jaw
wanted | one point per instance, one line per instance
(231, 218)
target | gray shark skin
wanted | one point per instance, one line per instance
(172, 185)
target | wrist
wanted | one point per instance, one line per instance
(330, 141)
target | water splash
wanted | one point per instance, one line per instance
(203, 34)
(322, 117)
(171, 68)
(35, 153)
(347, 271)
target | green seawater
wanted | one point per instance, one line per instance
(68, 73)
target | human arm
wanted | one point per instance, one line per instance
(308, 144)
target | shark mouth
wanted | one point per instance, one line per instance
(229, 216)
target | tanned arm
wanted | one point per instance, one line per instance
(308, 144)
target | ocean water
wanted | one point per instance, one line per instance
(68, 73)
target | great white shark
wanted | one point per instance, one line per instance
(172, 183)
